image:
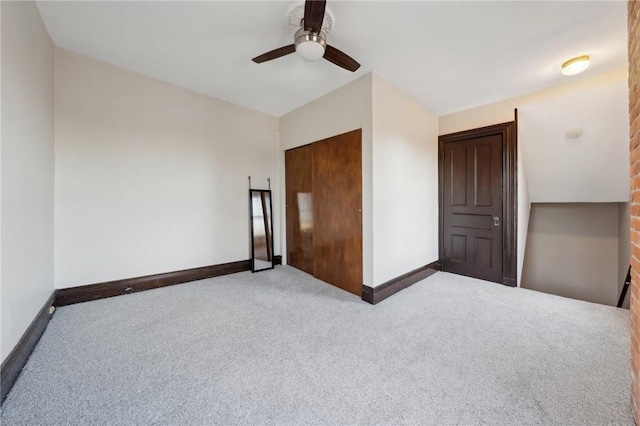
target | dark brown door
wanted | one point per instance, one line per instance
(299, 210)
(472, 201)
(337, 211)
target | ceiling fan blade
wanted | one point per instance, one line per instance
(341, 59)
(274, 54)
(314, 15)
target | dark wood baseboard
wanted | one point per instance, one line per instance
(15, 362)
(377, 294)
(85, 293)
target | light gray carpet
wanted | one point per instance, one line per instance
(279, 347)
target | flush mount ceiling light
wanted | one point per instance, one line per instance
(576, 65)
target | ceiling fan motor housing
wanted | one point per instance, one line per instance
(310, 45)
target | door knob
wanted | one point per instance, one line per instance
(496, 221)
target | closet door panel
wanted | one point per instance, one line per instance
(299, 208)
(337, 211)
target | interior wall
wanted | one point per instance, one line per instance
(524, 210)
(345, 109)
(502, 112)
(150, 177)
(593, 167)
(405, 183)
(572, 251)
(27, 169)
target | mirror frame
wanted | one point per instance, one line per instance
(268, 214)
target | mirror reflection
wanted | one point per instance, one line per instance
(261, 230)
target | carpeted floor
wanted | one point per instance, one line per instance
(279, 347)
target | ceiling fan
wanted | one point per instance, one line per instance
(310, 40)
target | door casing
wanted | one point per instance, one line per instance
(508, 131)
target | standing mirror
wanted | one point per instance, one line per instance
(261, 230)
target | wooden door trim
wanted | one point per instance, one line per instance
(509, 192)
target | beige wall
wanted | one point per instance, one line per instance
(150, 177)
(399, 170)
(27, 169)
(524, 210)
(592, 168)
(345, 109)
(572, 251)
(405, 183)
(503, 111)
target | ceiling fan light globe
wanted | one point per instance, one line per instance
(309, 45)
(310, 50)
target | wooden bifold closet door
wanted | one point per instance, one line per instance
(324, 210)
(299, 208)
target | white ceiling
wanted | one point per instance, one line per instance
(448, 55)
